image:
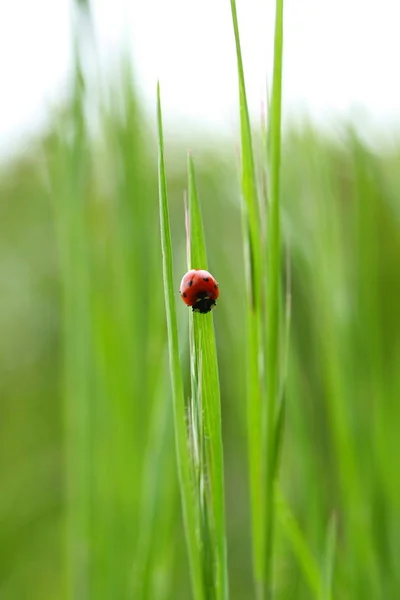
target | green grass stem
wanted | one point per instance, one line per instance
(273, 291)
(253, 252)
(182, 447)
(209, 402)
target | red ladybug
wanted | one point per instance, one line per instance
(199, 290)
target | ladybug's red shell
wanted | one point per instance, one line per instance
(199, 290)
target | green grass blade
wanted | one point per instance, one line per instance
(281, 409)
(249, 182)
(72, 224)
(253, 250)
(292, 531)
(191, 524)
(329, 562)
(198, 252)
(158, 487)
(77, 382)
(273, 291)
(209, 391)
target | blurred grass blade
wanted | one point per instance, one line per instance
(249, 182)
(191, 524)
(72, 224)
(196, 243)
(206, 363)
(279, 428)
(281, 409)
(77, 384)
(253, 251)
(300, 547)
(273, 290)
(158, 486)
(329, 562)
(304, 557)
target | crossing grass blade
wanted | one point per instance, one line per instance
(159, 485)
(204, 359)
(299, 545)
(185, 474)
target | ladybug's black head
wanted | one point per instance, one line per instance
(203, 303)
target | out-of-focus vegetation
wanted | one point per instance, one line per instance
(89, 504)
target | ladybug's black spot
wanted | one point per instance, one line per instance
(215, 285)
(184, 294)
(206, 279)
(190, 283)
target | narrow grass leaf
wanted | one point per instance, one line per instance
(329, 562)
(249, 181)
(301, 551)
(188, 499)
(72, 224)
(158, 486)
(281, 410)
(253, 251)
(273, 290)
(206, 363)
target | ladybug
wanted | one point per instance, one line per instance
(199, 290)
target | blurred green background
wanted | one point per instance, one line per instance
(89, 503)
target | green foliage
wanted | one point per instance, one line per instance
(91, 504)
(254, 263)
(265, 400)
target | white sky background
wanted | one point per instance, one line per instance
(340, 57)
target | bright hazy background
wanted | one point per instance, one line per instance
(341, 58)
